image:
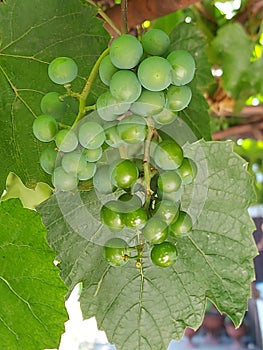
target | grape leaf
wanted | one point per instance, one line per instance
(144, 308)
(240, 76)
(32, 309)
(32, 35)
(188, 37)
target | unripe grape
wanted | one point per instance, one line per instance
(169, 181)
(125, 86)
(93, 155)
(187, 171)
(52, 104)
(66, 140)
(73, 162)
(178, 97)
(132, 129)
(45, 128)
(136, 219)
(106, 70)
(91, 135)
(64, 181)
(149, 103)
(124, 174)
(102, 180)
(168, 155)
(167, 210)
(113, 138)
(155, 42)
(164, 254)
(48, 159)
(109, 107)
(154, 73)
(182, 225)
(155, 231)
(183, 65)
(88, 172)
(114, 251)
(126, 51)
(111, 215)
(166, 116)
(62, 70)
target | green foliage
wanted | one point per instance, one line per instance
(144, 308)
(32, 293)
(27, 46)
(241, 77)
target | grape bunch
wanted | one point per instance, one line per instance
(119, 147)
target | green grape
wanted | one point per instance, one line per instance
(183, 65)
(102, 180)
(73, 162)
(136, 219)
(125, 86)
(106, 70)
(182, 226)
(115, 250)
(174, 196)
(154, 73)
(124, 174)
(169, 181)
(64, 181)
(112, 136)
(178, 97)
(166, 116)
(149, 103)
(91, 135)
(88, 172)
(155, 231)
(126, 51)
(164, 254)
(187, 171)
(53, 105)
(168, 155)
(66, 140)
(93, 155)
(132, 129)
(130, 202)
(62, 70)
(167, 210)
(45, 128)
(111, 215)
(155, 42)
(109, 107)
(48, 159)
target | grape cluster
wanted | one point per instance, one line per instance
(146, 85)
(73, 154)
(146, 80)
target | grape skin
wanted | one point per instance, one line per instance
(126, 51)
(154, 73)
(45, 128)
(62, 70)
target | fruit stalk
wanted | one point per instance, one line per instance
(86, 90)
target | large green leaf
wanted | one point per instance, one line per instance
(144, 308)
(32, 309)
(188, 37)
(32, 33)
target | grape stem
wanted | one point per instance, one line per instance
(146, 160)
(124, 12)
(86, 90)
(106, 18)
